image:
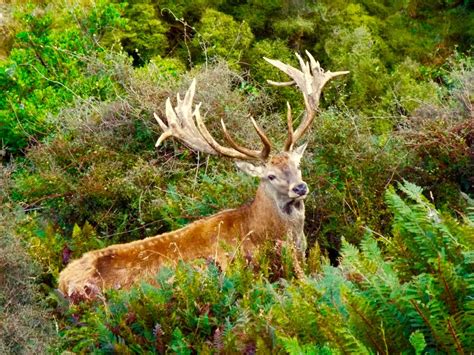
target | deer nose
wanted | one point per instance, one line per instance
(300, 189)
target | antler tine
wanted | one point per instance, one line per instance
(289, 141)
(194, 134)
(267, 146)
(310, 80)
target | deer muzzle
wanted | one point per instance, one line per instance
(298, 190)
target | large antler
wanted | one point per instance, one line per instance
(310, 80)
(195, 135)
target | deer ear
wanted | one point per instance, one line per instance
(297, 153)
(250, 169)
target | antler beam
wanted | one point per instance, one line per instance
(310, 80)
(194, 134)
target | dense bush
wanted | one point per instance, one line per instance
(47, 65)
(144, 35)
(441, 136)
(353, 167)
(219, 35)
(47, 69)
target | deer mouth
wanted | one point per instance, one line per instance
(295, 197)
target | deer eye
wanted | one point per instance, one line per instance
(271, 177)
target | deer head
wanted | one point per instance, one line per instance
(280, 174)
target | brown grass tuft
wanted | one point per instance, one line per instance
(25, 324)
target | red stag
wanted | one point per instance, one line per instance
(277, 211)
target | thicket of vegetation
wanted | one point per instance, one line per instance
(389, 265)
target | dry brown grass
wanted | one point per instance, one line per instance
(25, 323)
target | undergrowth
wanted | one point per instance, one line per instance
(25, 320)
(376, 301)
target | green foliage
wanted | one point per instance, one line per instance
(190, 11)
(292, 346)
(219, 35)
(354, 165)
(425, 284)
(437, 238)
(47, 69)
(360, 37)
(360, 40)
(440, 138)
(261, 71)
(144, 35)
(269, 17)
(168, 66)
(417, 339)
(273, 49)
(408, 89)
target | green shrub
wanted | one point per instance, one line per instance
(363, 88)
(219, 35)
(169, 66)
(352, 166)
(261, 71)
(190, 11)
(408, 91)
(440, 137)
(46, 70)
(144, 35)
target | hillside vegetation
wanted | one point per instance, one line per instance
(390, 166)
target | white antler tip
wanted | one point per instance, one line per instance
(337, 73)
(163, 136)
(223, 124)
(196, 109)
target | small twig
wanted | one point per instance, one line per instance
(48, 197)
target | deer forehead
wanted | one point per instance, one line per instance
(280, 160)
(283, 163)
(283, 160)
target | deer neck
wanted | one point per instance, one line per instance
(285, 207)
(277, 217)
(277, 213)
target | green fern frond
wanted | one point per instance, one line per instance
(413, 191)
(417, 339)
